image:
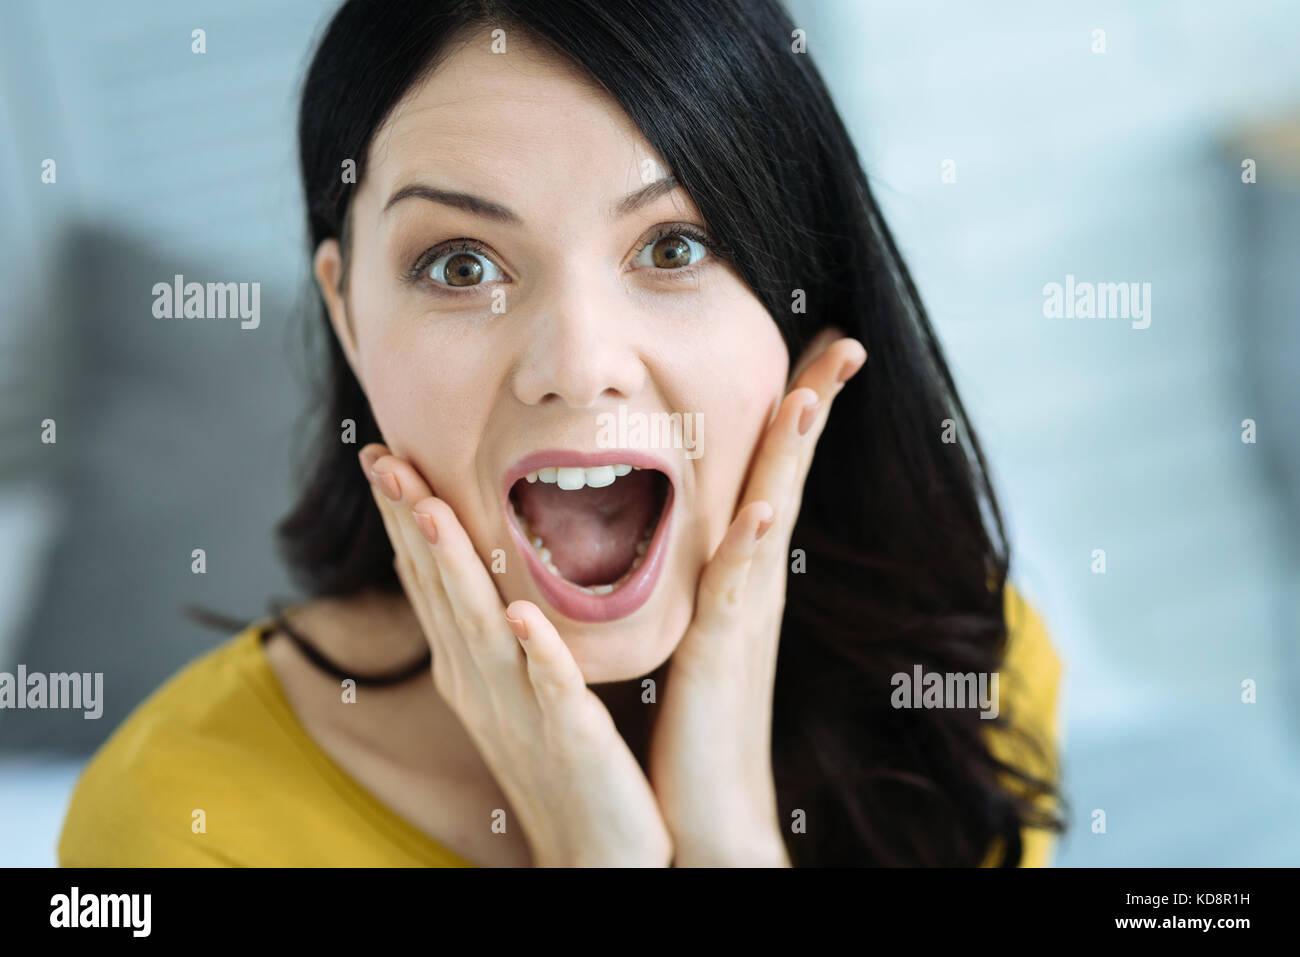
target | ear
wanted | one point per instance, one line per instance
(327, 265)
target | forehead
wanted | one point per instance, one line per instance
(526, 127)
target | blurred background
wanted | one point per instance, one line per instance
(1010, 146)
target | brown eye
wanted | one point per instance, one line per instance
(463, 265)
(671, 252)
(463, 270)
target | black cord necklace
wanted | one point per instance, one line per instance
(395, 677)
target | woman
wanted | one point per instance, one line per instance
(598, 282)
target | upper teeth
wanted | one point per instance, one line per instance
(572, 479)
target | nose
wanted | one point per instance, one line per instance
(578, 346)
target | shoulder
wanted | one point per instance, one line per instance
(144, 797)
(1031, 664)
(215, 769)
(1029, 692)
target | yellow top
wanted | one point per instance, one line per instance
(214, 769)
(1029, 683)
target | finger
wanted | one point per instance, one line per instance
(398, 479)
(404, 487)
(786, 453)
(368, 454)
(813, 351)
(423, 587)
(485, 652)
(475, 603)
(723, 584)
(399, 487)
(778, 456)
(446, 672)
(436, 536)
(425, 592)
(552, 670)
(826, 375)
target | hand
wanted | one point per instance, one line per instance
(579, 793)
(710, 758)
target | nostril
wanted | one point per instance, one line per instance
(552, 398)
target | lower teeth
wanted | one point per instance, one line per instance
(544, 554)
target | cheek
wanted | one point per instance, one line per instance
(404, 396)
(426, 397)
(743, 386)
(741, 425)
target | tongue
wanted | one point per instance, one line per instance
(592, 533)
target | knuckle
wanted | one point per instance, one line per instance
(480, 629)
(725, 592)
(577, 726)
(423, 576)
(470, 625)
(550, 685)
(713, 586)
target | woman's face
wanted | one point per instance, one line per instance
(516, 312)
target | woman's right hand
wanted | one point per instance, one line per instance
(550, 743)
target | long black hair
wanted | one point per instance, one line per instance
(906, 556)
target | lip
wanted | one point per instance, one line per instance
(563, 596)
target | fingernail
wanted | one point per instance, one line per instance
(850, 366)
(763, 526)
(427, 526)
(389, 485)
(518, 627)
(807, 416)
(364, 458)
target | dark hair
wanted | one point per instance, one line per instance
(904, 541)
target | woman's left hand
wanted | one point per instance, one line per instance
(710, 756)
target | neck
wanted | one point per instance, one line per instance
(633, 716)
(392, 617)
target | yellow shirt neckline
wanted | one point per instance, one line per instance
(256, 667)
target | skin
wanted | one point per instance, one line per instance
(530, 711)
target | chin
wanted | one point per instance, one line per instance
(622, 651)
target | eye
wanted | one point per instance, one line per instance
(461, 264)
(673, 247)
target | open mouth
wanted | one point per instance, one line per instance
(592, 532)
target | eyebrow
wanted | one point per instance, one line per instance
(634, 201)
(489, 210)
